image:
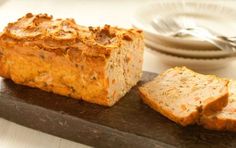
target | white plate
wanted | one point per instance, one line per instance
(163, 47)
(196, 64)
(218, 18)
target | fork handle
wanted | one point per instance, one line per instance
(216, 41)
(232, 40)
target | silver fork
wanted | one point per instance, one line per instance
(171, 27)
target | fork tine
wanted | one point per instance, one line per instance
(160, 26)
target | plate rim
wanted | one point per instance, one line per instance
(186, 52)
(151, 35)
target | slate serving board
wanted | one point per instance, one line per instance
(129, 123)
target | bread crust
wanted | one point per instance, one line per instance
(68, 59)
(147, 99)
(219, 124)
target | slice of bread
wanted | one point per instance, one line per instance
(183, 95)
(225, 119)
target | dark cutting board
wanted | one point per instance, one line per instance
(129, 123)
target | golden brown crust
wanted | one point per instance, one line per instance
(219, 124)
(62, 57)
(58, 35)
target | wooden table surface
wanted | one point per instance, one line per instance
(85, 12)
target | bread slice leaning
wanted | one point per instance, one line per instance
(225, 119)
(183, 95)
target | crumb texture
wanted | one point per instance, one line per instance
(226, 118)
(183, 95)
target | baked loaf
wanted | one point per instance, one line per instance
(98, 65)
(225, 119)
(184, 96)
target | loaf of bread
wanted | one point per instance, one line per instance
(98, 65)
(225, 119)
(184, 96)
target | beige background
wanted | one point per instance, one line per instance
(86, 12)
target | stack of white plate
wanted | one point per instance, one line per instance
(191, 52)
